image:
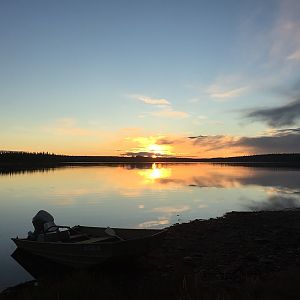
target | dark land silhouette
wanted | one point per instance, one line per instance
(19, 158)
(12, 162)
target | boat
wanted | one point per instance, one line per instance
(84, 246)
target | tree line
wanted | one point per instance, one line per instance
(23, 157)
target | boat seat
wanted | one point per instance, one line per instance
(77, 236)
(57, 236)
(94, 240)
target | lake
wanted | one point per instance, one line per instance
(134, 196)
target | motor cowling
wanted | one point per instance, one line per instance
(42, 221)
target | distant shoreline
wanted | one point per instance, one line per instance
(26, 159)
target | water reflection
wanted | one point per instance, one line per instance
(197, 174)
(156, 172)
(68, 184)
(276, 202)
(24, 170)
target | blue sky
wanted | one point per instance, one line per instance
(94, 77)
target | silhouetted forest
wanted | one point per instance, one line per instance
(19, 158)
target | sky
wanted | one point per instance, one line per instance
(159, 78)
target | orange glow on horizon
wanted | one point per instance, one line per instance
(148, 145)
(158, 150)
(179, 146)
(120, 143)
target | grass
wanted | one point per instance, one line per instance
(283, 285)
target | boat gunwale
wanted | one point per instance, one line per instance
(25, 240)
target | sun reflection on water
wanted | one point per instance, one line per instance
(156, 172)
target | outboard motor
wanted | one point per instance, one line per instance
(42, 222)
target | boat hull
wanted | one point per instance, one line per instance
(85, 255)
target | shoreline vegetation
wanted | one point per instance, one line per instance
(45, 159)
(242, 255)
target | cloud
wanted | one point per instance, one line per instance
(287, 131)
(281, 141)
(170, 113)
(167, 110)
(286, 32)
(214, 142)
(196, 137)
(165, 141)
(229, 86)
(222, 93)
(269, 53)
(144, 153)
(284, 115)
(294, 56)
(276, 42)
(277, 141)
(147, 146)
(152, 101)
(169, 141)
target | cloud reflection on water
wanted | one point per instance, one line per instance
(154, 223)
(142, 195)
(277, 202)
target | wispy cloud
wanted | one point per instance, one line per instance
(277, 141)
(228, 86)
(269, 54)
(272, 141)
(169, 141)
(285, 115)
(214, 142)
(223, 93)
(273, 44)
(151, 100)
(170, 113)
(286, 32)
(165, 107)
(294, 56)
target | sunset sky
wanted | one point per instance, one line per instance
(185, 78)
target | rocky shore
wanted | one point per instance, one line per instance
(242, 255)
(237, 246)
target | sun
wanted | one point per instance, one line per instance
(156, 149)
(150, 146)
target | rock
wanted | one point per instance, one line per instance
(251, 257)
(265, 260)
(188, 260)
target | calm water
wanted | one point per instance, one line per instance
(140, 196)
